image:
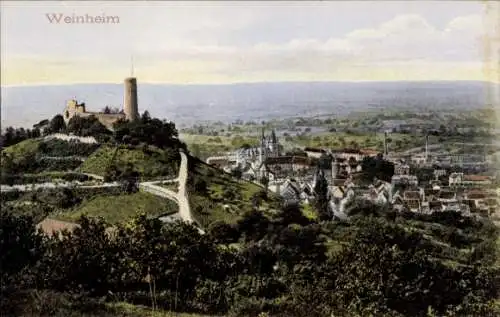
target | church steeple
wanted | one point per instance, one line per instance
(274, 139)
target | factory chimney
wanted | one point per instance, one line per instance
(426, 148)
(130, 106)
(385, 144)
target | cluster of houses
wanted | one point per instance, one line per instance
(294, 177)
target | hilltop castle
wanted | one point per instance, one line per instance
(130, 107)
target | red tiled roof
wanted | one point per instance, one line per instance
(356, 151)
(475, 178)
(311, 149)
(369, 152)
(339, 182)
(347, 150)
(50, 226)
(476, 195)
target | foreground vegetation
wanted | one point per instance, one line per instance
(279, 264)
(256, 256)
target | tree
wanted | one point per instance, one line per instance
(237, 173)
(86, 126)
(57, 124)
(148, 130)
(21, 246)
(146, 117)
(321, 200)
(377, 168)
(130, 179)
(264, 181)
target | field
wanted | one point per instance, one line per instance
(203, 146)
(117, 209)
(217, 196)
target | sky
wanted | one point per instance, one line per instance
(229, 42)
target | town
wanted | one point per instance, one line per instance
(424, 181)
(223, 159)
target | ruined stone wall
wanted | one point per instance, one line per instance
(107, 119)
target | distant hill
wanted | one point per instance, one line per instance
(185, 104)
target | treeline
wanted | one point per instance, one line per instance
(146, 130)
(282, 265)
(13, 136)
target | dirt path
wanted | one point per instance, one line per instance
(181, 196)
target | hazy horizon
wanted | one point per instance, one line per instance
(188, 104)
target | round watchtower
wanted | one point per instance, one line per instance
(130, 106)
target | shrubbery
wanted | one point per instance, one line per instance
(280, 266)
(59, 148)
(18, 179)
(147, 130)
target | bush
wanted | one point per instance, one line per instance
(58, 148)
(272, 264)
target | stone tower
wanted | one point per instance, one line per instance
(130, 106)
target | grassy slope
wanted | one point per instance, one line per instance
(116, 209)
(145, 164)
(22, 149)
(99, 160)
(209, 208)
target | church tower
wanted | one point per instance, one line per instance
(275, 144)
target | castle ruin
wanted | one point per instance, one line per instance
(130, 107)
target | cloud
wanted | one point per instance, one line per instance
(404, 38)
(405, 47)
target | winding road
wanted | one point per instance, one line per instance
(180, 197)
